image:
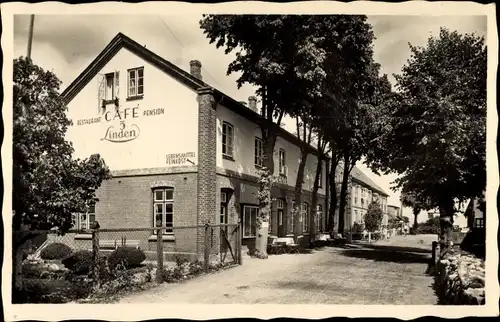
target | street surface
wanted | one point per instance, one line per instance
(384, 272)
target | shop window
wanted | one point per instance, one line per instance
(227, 139)
(305, 217)
(250, 221)
(135, 82)
(163, 207)
(319, 218)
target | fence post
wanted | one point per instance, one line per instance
(206, 250)
(240, 257)
(159, 255)
(95, 253)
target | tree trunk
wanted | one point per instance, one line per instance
(343, 194)
(333, 197)
(265, 186)
(415, 215)
(446, 212)
(314, 202)
(297, 213)
(17, 255)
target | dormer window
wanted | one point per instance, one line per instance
(109, 86)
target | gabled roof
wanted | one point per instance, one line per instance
(121, 41)
(359, 176)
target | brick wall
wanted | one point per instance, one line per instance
(244, 184)
(208, 195)
(127, 202)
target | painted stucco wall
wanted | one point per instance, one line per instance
(245, 132)
(174, 128)
(362, 209)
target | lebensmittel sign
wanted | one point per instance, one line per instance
(180, 158)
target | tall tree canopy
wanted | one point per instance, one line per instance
(48, 184)
(288, 58)
(434, 126)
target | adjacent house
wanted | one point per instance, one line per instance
(181, 152)
(361, 192)
(393, 211)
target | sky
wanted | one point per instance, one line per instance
(67, 44)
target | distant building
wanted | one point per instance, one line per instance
(361, 192)
(393, 211)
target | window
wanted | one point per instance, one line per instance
(356, 194)
(356, 218)
(319, 218)
(136, 82)
(227, 139)
(223, 197)
(109, 89)
(282, 162)
(259, 153)
(281, 210)
(250, 221)
(321, 178)
(163, 206)
(83, 220)
(305, 217)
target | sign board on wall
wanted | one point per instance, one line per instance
(180, 158)
(126, 130)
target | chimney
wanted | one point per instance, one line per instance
(195, 68)
(252, 103)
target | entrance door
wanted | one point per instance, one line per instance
(223, 220)
(281, 218)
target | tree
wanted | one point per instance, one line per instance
(48, 185)
(373, 217)
(412, 200)
(349, 81)
(434, 126)
(322, 144)
(277, 54)
(285, 57)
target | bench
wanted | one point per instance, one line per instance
(133, 243)
(108, 244)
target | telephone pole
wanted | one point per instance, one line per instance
(30, 35)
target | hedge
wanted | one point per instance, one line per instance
(129, 257)
(56, 251)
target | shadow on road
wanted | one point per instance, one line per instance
(398, 248)
(383, 253)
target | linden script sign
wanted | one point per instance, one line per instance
(124, 131)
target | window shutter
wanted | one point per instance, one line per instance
(117, 84)
(100, 91)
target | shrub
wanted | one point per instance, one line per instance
(373, 217)
(79, 262)
(56, 251)
(129, 257)
(357, 228)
